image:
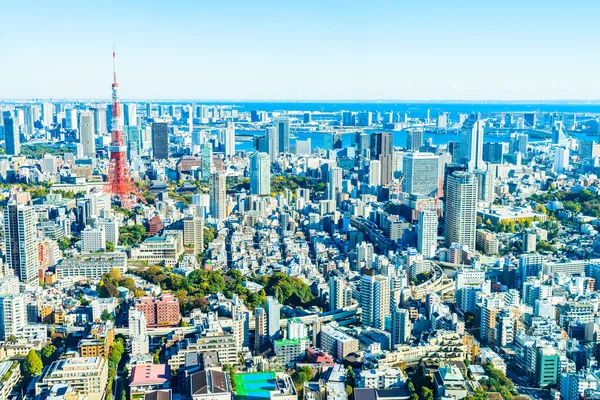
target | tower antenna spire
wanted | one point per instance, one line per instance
(114, 64)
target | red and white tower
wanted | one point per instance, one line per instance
(119, 183)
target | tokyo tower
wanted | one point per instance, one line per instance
(119, 183)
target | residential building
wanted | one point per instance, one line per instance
(162, 312)
(20, 241)
(87, 376)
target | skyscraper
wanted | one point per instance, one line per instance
(414, 139)
(86, 133)
(282, 126)
(100, 120)
(374, 299)
(47, 114)
(420, 173)
(134, 141)
(382, 149)
(229, 141)
(20, 236)
(206, 156)
(217, 193)
(261, 335)
(130, 114)
(401, 326)
(260, 174)
(471, 146)
(427, 233)
(28, 120)
(561, 160)
(273, 317)
(160, 140)
(340, 293)
(460, 216)
(334, 182)
(11, 137)
(272, 138)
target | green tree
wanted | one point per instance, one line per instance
(48, 354)
(110, 246)
(106, 316)
(11, 338)
(32, 366)
(426, 393)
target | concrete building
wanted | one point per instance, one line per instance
(260, 174)
(20, 241)
(420, 173)
(93, 240)
(218, 196)
(461, 209)
(162, 312)
(337, 343)
(427, 233)
(138, 337)
(273, 317)
(374, 299)
(87, 133)
(13, 315)
(87, 376)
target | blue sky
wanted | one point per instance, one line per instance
(288, 49)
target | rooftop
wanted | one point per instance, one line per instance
(155, 374)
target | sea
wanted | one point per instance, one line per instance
(414, 110)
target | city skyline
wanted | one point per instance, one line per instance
(297, 51)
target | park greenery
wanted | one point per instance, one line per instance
(292, 182)
(130, 235)
(193, 289)
(112, 280)
(39, 150)
(584, 202)
(114, 358)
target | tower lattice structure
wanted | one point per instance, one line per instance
(119, 183)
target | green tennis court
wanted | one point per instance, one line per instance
(255, 385)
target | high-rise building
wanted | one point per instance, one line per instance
(86, 133)
(93, 239)
(130, 114)
(272, 139)
(374, 176)
(71, 118)
(229, 141)
(206, 156)
(414, 139)
(460, 216)
(20, 240)
(472, 143)
(364, 254)
(282, 126)
(218, 196)
(505, 329)
(485, 184)
(427, 233)
(13, 315)
(138, 336)
(47, 114)
(11, 137)
(273, 317)
(160, 140)
(362, 141)
(100, 124)
(193, 233)
(340, 293)
(561, 160)
(261, 335)
(382, 149)
(374, 299)
(134, 141)
(29, 120)
(401, 326)
(493, 152)
(420, 173)
(518, 143)
(260, 174)
(334, 182)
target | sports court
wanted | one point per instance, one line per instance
(255, 385)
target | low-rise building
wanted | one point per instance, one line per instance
(91, 265)
(450, 382)
(162, 312)
(210, 384)
(148, 378)
(87, 376)
(164, 249)
(337, 343)
(381, 378)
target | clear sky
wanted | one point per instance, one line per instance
(301, 49)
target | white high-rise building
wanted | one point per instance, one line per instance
(47, 114)
(193, 233)
(420, 173)
(401, 326)
(427, 233)
(273, 317)
(374, 299)
(13, 315)
(86, 133)
(93, 239)
(130, 114)
(364, 254)
(218, 196)
(282, 128)
(296, 329)
(334, 182)
(461, 209)
(272, 143)
(71, 118)
(229, 141)
(261, 335)
(28, 120)
(260, 174)
(340, 293)
(20, 241)
(471, 145)
(138, 336)
(561, 160)
(374, 173)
